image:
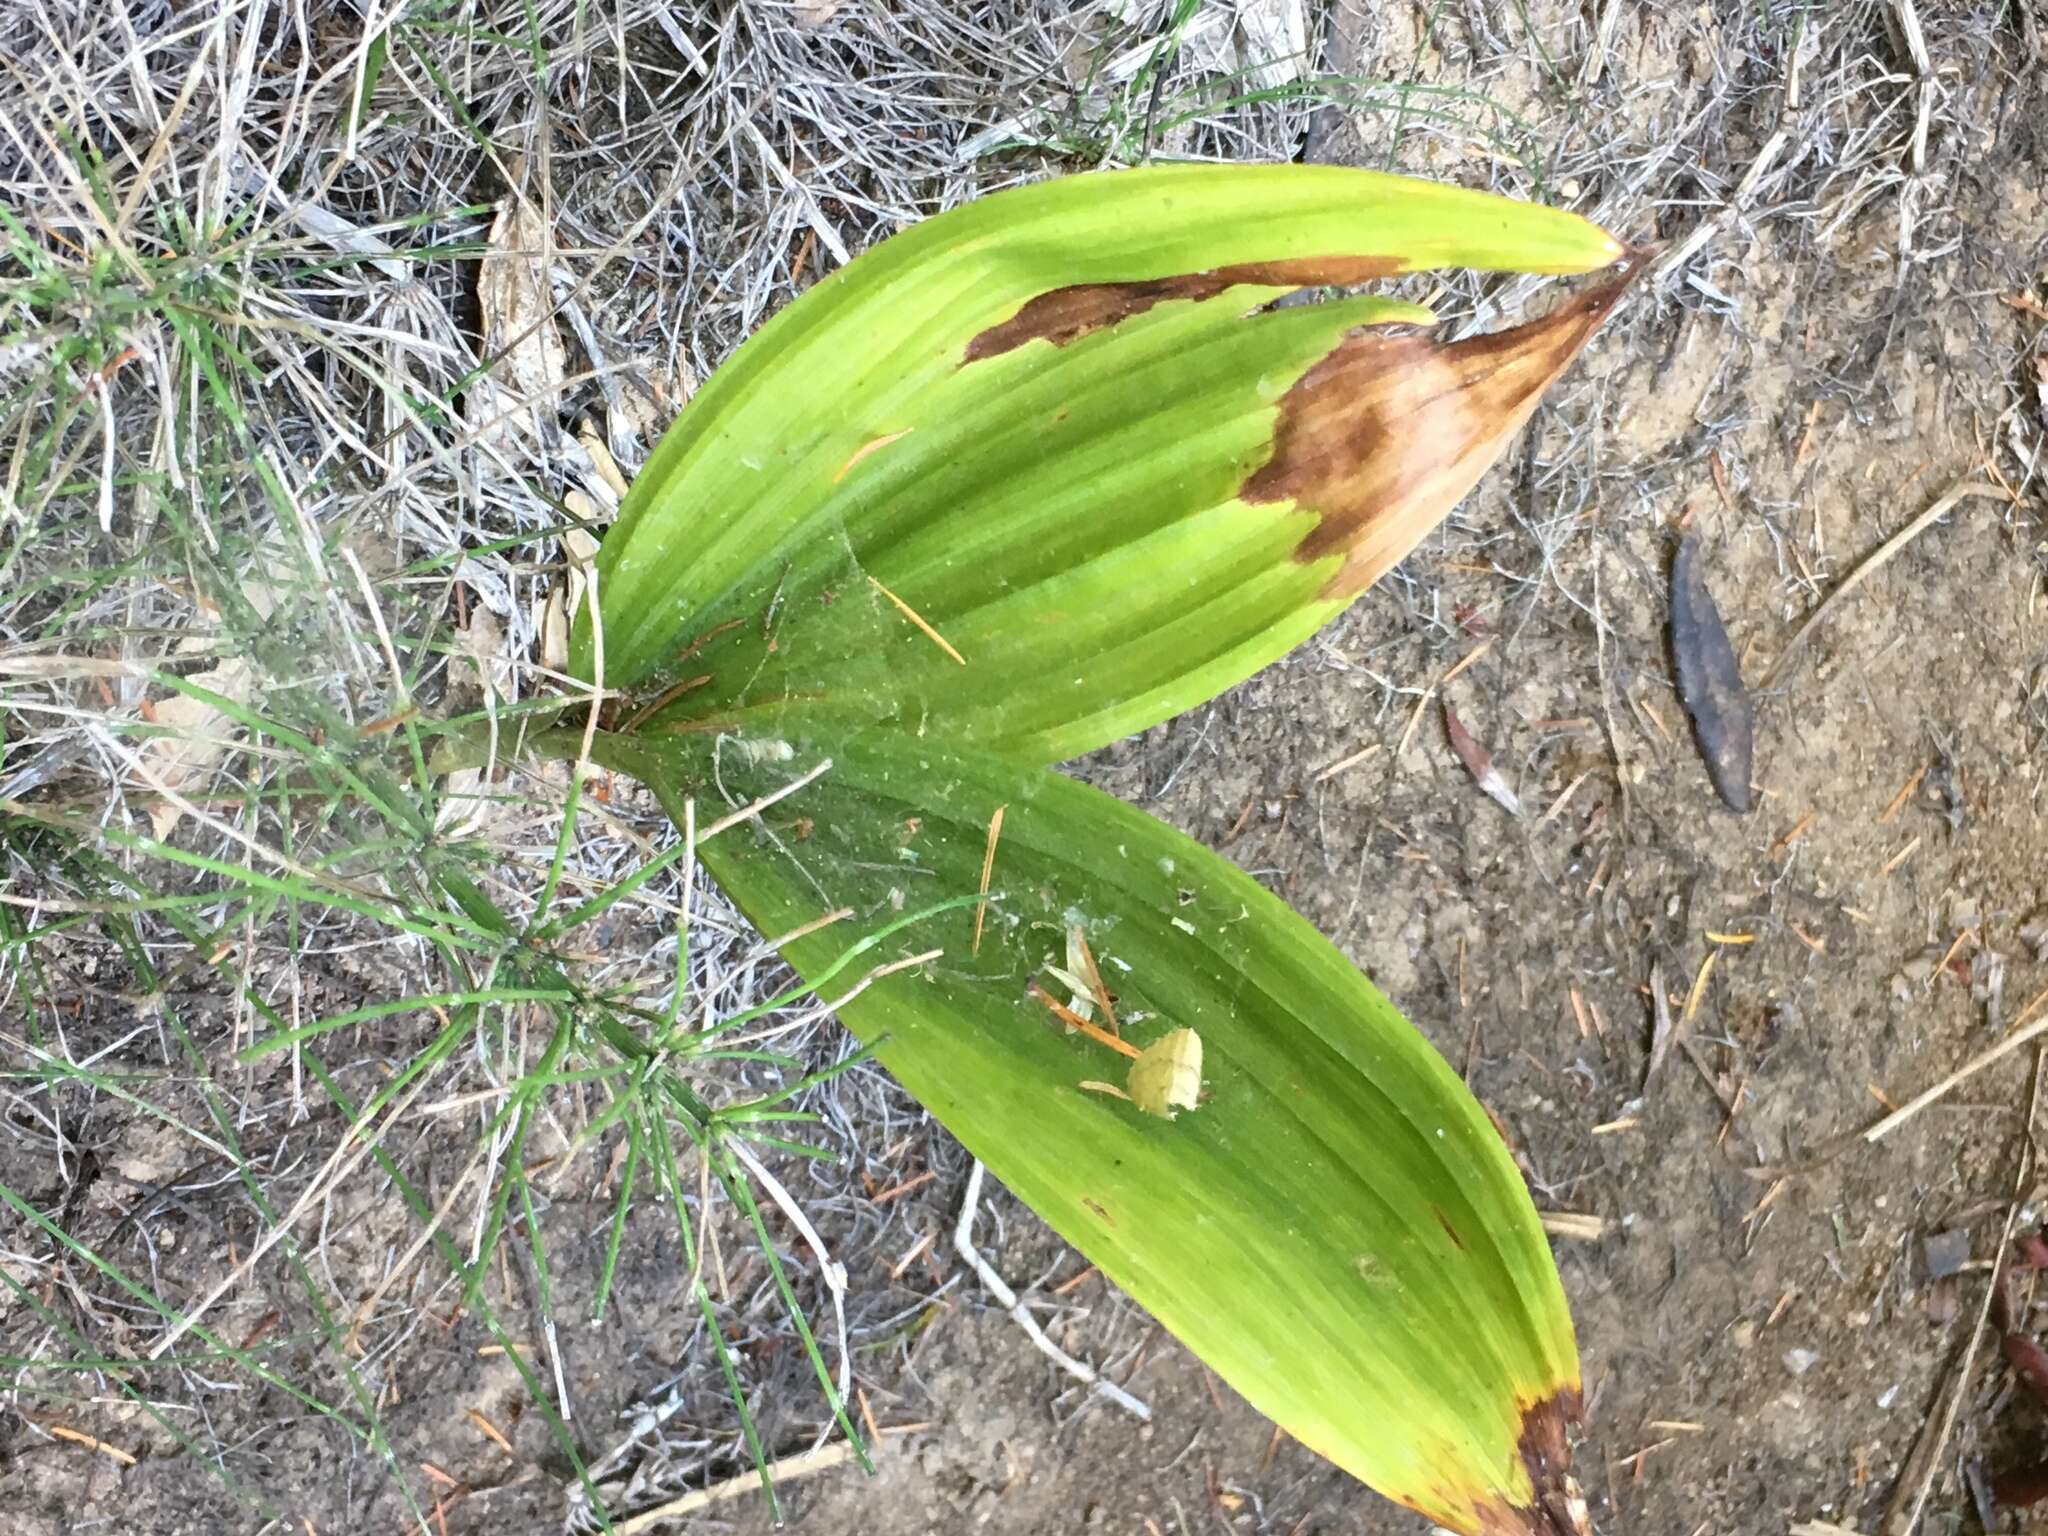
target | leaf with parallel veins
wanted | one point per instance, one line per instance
(1156, 470)
(1038, 473)
(1338, 1230)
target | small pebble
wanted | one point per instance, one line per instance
(1946, 1253)
(1800, 1361)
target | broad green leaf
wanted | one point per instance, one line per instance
(1051, 467)
(1336, 1228)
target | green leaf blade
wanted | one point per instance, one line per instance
(1338, 1229)
(1070, 403)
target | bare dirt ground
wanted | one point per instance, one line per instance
(1764, 1340)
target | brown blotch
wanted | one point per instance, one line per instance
(1063, 315)
(1555, 1507)
(1388, 432)
(1449, 1231)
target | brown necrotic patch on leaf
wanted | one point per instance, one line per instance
(1555, 1506)
(1064, 315)
(1387, 433)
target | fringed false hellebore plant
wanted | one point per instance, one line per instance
(1039, 473)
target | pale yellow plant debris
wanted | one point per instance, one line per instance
(194, 736)
(513, 292)
(1273, 41)
(1167, 1075)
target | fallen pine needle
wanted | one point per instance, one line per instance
(1891, 812)
(1346, 762)
(1092, 1085)
(910, 1258)
(1900, 857)
(1563, 795)
(1968, 935)
(490, 1431)
(1635, 1460)
(1799, 829)
(63, 1431)
(917, 618)
(1430, 692)
(1698, 993)
(988, 868)
(1730, 938)
(1465, 661)
(867, 1416)
(1649, 712)
(1073, 1020)
(898, 1191)
(753, 811)
(1784, 1303)
(873, 444)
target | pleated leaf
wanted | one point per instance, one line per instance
(1050, 468)
(1336, 1228)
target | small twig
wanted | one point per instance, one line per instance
(752, 812)
(2022, 1033)
(1917, 1481)
(1957, 494)
(804, 1464)
(963, 1243)
(1573, 1224)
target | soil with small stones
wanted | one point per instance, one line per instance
(1762, 1338)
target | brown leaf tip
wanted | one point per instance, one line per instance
(1382, 437)
(1064, 315)
(1555, 1507)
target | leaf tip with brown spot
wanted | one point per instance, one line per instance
(1388, 432)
